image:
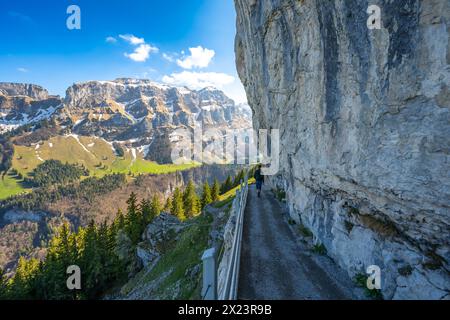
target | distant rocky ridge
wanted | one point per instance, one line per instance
(21, 104)
(141, 112)
(18, 89)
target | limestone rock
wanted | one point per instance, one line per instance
(417, 286)
(138, 113)
(132, 108)
(22, 104)
(162, 227)
(23, 89)
(364, 120)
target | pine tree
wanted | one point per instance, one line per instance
(191, 201)
(227, 185)
(169, 205)
(177, 204)
(24, 280)
(206, 195)
(146, 212)
(62, 252)
(133, 220)
(90, 262)
(65, 245)
(215, 192)
(105, 257)
(119, 221)
(3, 286)
(132, 203)
(156, 207)
(190, 188)
(239, 178)
(96, 250)
(52, 285)
(117, 266)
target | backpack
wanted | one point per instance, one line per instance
(258, 175)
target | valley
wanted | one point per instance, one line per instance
(120, 126)
(117, 132)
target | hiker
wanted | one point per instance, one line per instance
(259, 179)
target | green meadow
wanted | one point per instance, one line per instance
(10, 186)
(94, 153)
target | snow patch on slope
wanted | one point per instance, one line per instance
(76, 137)
(41, 114)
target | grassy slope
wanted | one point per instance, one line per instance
(10, 186)
(162, 281)
(94, 153)
(229, 195)
(170, 271)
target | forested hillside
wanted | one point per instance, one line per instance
(105, 252)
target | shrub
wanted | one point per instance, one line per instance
(305, 231)
(319, 249)
(405, 271)
(361, 281)
(280, 194)
(348, 226)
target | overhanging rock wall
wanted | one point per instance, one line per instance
(364, 125)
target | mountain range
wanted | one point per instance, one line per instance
(141, 113)
(113, 129)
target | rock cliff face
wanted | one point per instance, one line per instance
(23, 89)
(126, 102)
(136, 111)
(146, 112)
(364, 119)
(22, 103)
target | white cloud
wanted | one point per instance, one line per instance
(111, 40)
(198, 80)
(168, 57)
(132, 39)
(141, 53)
(200, 57)
(24, 70)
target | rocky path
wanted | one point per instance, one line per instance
(274, 263)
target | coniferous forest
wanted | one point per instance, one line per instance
(54, 172)
(86, 189)
(105, 252)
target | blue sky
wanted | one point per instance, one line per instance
(178, 42)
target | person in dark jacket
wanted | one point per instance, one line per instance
(259, 179)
